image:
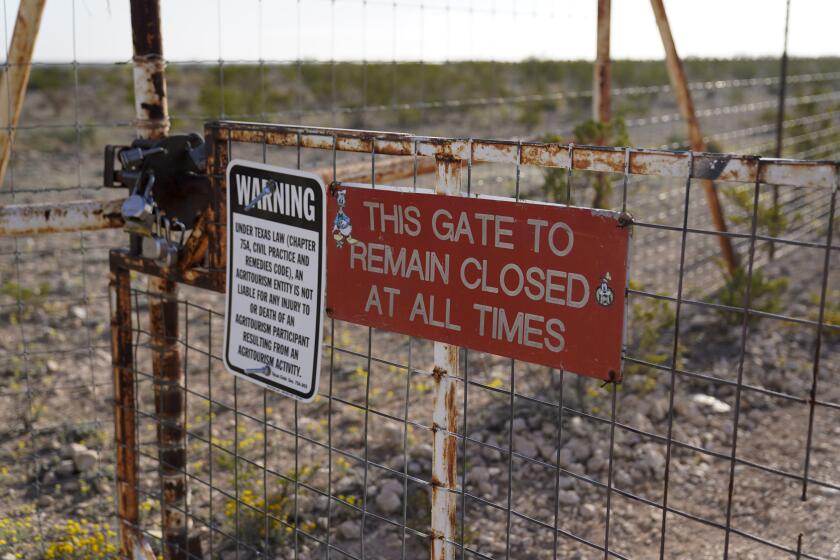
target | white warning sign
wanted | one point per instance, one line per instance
(275, 277)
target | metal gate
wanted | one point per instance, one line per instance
(414, 448)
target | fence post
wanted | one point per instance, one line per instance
(780, 120)
(153, 122)
(169, 410)
(132, 544)
(16, 77)
(601, 83)
(602, 75)
(695, 139)
(445, 416)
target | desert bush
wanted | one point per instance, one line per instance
(765, 293)
(555, 182)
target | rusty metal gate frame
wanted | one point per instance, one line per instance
(203, 265)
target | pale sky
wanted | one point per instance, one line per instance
(431, 30)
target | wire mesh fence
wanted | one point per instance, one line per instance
(718, 430)
(57, 461)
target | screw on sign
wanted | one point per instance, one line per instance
(538, 282)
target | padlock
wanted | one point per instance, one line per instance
(157, 248)
(138, 210)
(158, 245)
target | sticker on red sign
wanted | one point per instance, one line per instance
(538, 282)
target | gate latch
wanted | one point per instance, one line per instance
(168, 189)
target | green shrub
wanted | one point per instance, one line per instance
(611, 133)
(765, 294)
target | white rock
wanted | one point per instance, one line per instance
(486, 488)
(478, 475)
(596, 462)
(45, 501)
(653, 458)
(579, 448)
(534, 421)
(85, 459)
(79, 312)
(345, 485)
(831, 492)
(588, 511)
(491, 454)
(714, 404)
(568, 498)
(392, 436)
(524, 445)
(548, 452)
(658, 410)
(566, 457)
(576, 426)
(391, 485)
(576, 468)
(388, 501)
(565, 482)
(641, 422)
(622, 479)
(422, 452)
(519, 425)
(65, 468)
(349, 530)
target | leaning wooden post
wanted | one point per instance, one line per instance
(445, 416)
(676, 73)
(601, 84)
(602, 74)
(780, 121)
(16, 77)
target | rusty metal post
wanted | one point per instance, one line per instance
(601, 84)
(445, 416)
(218, 155)
(132, 545)
(602, 72)
(780, 117)
(676, 73)
(780, 114)
(14, 81)
(153, 122)
(150, 103)
(169, 409)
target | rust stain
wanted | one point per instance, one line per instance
(582, 159)
(124, 414)
(608, 159)
(450, 450)
(451, 408)
(438, 373)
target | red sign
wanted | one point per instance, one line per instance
(537, 282)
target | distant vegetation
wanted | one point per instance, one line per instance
(531, 98)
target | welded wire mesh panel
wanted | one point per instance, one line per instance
(56, 435)
(360, 484)
(720, 441)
